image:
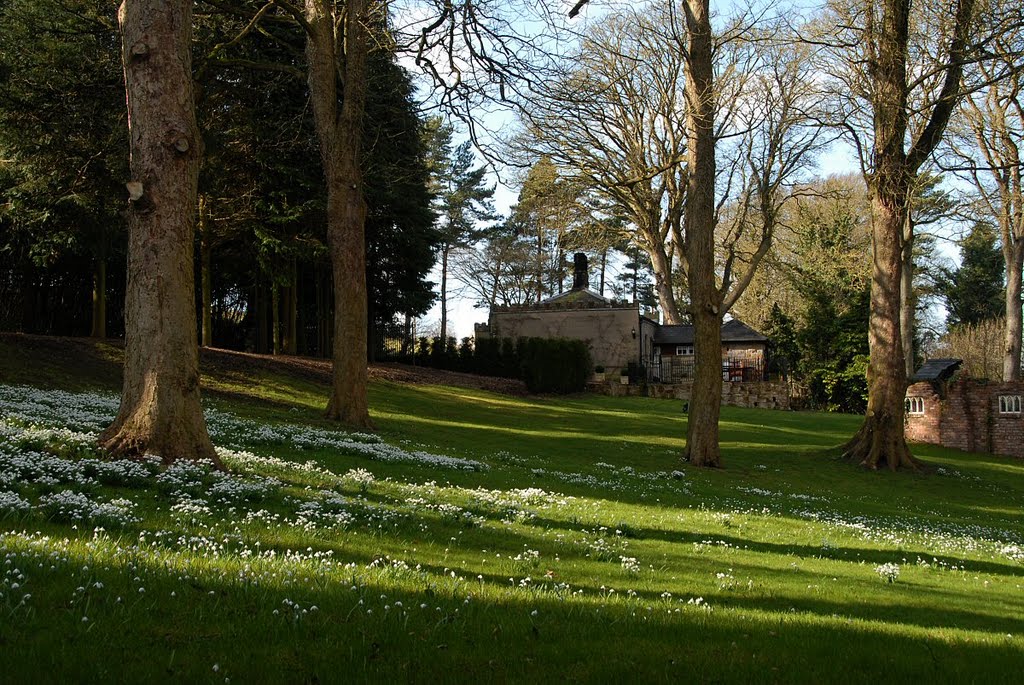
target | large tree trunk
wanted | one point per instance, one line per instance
(160, 408)
(1012, 340)
(880, 440)
(206, 277)
(702, 447)
(340, 138)
(99, 297)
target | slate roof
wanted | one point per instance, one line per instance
(937, 369)
(732, 331)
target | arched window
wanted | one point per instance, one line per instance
(1009, 404)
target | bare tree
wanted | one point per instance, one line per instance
(609, 121)
(986, 148)
(160, 409)
(764, 108)
(497, 271)
(745, 93)
(889, 88)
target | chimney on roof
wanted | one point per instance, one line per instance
(580, 279)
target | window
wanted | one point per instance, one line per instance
(915, 405)
(1009, 404)
(684, 350)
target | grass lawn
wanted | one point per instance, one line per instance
(480, 537)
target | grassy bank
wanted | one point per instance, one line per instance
(484, 536)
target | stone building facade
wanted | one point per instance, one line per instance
(620, 337)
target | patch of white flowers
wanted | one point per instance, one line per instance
(630, 565)
(35, 417)
(12, 502)
(888, 572)
(68, 505)
(360, 478)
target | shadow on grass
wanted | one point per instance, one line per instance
(219, 619)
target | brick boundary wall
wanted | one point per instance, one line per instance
(964, 414)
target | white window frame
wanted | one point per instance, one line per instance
(1009, 404)
(684, 350)
(915, 405)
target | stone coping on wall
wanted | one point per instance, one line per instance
(758, 394)
(560, 306)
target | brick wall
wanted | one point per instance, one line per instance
(968, 418)
(924, 427)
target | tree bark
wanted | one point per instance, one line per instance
(907, 303)
(99, 297)
(702, 448)
(340, 138)
(160, 409)
(275, 318)
(662, 264)
(445, 249)
(206, 279)
(1012, 339)
(880, 440)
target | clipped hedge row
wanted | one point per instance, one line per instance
(554, 365)
(546, 365)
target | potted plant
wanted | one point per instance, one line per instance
(599, 373)
(624, 376)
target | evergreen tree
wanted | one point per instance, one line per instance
(462, 199)
(63, 153)
(973, 292)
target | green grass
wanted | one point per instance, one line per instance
(760, 572)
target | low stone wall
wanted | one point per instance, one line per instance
(759, 395)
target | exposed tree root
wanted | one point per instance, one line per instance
(135, 439)
(878, 444)
(349, 414)
(703, 458)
